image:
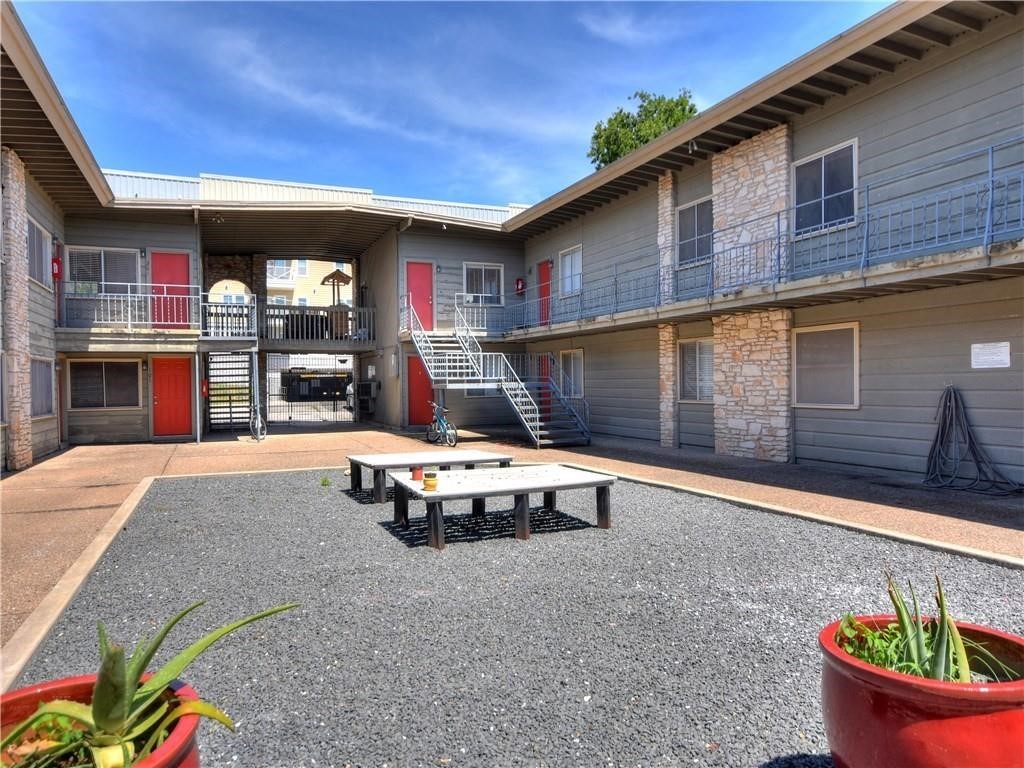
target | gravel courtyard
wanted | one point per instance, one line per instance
(685, 635)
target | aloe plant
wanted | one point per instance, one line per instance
(128, 717)
(921, 646)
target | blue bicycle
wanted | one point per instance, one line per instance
(440, 427)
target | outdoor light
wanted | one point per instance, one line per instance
(217, 219)
(439, 269)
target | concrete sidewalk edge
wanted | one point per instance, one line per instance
(23, 643)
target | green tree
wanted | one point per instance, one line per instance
(624, 131)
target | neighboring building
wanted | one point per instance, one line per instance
(795, 274)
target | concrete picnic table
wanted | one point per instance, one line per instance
(380, 463)
(517, 482)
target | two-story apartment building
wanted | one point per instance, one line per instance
(794, 274)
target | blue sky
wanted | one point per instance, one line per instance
(484, 102)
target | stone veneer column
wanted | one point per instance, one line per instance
(18, 378)
(753, 417)
(667, 384)
(750, 188)
(666, 232)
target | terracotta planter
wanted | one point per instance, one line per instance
(875, 718)
(178, 751)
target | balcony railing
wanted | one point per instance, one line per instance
(281, 274)
(972, 200)
(131, 306)
(283, 323)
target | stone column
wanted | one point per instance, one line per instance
(666, 233)
(750, 185)
(668, 386)
(753, 416)
(15, 311)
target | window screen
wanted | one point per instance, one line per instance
(570, 267)
(483, 283)
(120, 271)
(39, 248)
(104, 384)
(697, 371)
(825, 367)
(42, 387)
(696, 224)
(825, 190)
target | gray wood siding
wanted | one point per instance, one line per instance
(620, 380)
(450, 253)
(42, 301)
(45, 435)
(623, 233)
(911, 347)
(143, 236)
(955, 100)
(695, 421)
(378, 270)
(40, 207)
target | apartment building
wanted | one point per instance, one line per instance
(793, 275)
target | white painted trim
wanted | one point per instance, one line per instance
(149, 403)
(561, 275)
(103, 260)
(48, 239)
(580, 385)
(501, 287)
(679, 370)
(699, 260)
(855, 325)
(404, 282)
(103, 408)
(852, 142)
(53, 386)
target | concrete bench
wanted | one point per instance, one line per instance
(517, 482)
(380, 463)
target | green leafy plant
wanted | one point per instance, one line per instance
(920, 645)
(325, 482)
(128, 718)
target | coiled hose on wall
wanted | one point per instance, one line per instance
(956, 448)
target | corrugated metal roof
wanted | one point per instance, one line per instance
(209, 187)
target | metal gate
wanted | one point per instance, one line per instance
(309, 389)
(230, 379)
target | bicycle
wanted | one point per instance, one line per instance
(440, 427)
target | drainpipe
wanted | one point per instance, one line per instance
(196, 389)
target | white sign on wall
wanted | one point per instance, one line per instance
(995, 354)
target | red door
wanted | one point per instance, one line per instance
(419, 282)
(169, 275)
(544, 292)
(172, 396)
(420, 392)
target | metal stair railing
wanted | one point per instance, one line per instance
(420, 339)
(577, 406)
(498, 368)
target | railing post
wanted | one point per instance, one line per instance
(867, 229)
(778, 248)
(615, 289)
(991, 199)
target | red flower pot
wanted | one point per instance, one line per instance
(179, 750)
(875, 718)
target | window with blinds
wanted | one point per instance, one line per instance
(42, 387)
(104, 384)
(697, 371)
(103, 270)
(40, 248)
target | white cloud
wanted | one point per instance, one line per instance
(623, 27)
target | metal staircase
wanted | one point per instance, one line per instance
(457, 361)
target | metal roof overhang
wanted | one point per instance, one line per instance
(898, 34)
(36, 124)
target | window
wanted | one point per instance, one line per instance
(570, 270)
(42, 387)
(825, 188)
(694, 226)
(303, 268)
(826, 367)
(40, 247)
(104, 383)
(302, 301)
(697, 371)
(571, 363)
(278, 300)
(103, 270)
(235, 298)
(483, 283)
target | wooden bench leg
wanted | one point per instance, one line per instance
(435, 525)
(504, 464)
(549, 500)
(479, 507)
(401, 506)
(445, 467)
(522, 516)
(356, 478)
(604, 506)
(380, 478)
(471, 466)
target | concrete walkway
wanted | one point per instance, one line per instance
(52, 511)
